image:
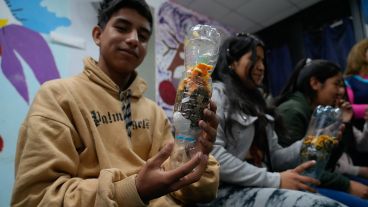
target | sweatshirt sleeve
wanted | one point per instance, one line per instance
(335, 181)
(345, 166)
(240, 172)
(47, 166)
(283, 158)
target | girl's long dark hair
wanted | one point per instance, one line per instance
(304, 70)
(243, 96)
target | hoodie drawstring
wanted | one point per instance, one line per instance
(125, 99)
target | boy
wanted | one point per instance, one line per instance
(95, 140)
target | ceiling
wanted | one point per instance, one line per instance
(247, 15)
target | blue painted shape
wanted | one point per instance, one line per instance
(36, 17)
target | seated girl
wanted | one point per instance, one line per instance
(246, 144)
(313, 83)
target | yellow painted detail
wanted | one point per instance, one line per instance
(3, 22)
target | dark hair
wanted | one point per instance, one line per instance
(304, 70)
(232, 49)
(109, 7)
(242, 95)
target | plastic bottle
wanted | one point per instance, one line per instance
(320, 139)
(194, 91)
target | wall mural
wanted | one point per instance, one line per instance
(27, 42)
(172, 23)
(33, 49)
(28, 58)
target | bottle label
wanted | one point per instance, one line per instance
(185, 138)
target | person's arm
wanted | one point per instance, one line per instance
(240, 172)
(359, 109)
(361, 137)
(363, 172)
(233, 169)
(283, 158)
(334, 180)
(345, 166)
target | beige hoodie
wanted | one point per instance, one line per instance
(73, 148)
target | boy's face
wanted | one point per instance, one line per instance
(123, 42)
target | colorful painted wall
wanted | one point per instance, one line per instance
(39, 40)
(47, 39)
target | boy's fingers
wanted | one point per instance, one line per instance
(211, 132)
(206, 145)
(210, 117)
(210, 114)
(193, 176)
(186, 168)
(162, 155)
(213, 106)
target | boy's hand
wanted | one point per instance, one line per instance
(153, 181)
(209, 125)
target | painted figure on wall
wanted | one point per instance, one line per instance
(25, 42)
(26, 61)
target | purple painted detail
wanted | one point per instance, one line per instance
(33, 49)
(12, 69)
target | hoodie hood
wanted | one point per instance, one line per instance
(96, 74)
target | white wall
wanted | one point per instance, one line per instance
(147, 69)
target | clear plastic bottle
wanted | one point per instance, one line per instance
(194, 91)
(320, 139)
